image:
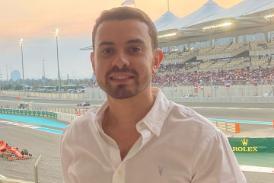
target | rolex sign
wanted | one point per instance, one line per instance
(252, 145)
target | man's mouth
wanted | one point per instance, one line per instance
(121, 77)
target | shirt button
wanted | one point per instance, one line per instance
(146, 133)
(120, 172)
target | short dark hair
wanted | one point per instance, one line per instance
(125, 13)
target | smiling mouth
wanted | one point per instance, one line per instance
(121, 76)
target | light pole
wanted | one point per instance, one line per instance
(57, 54)
(22, 58)
(1, 81)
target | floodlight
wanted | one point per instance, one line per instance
(21, 41)
(56, 32)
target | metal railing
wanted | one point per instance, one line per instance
(36, 180)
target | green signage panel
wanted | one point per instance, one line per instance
(25, 112)
(251, 145)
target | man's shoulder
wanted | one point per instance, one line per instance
(189, 120)
(81, 126)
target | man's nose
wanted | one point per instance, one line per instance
(120, 60)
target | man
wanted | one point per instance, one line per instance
(138, 135)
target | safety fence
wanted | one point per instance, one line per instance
(66, 117)
(242, 93)
(79, 110)
(49, 96)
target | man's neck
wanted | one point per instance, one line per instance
(127, 112)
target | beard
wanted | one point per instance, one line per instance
(123, 91)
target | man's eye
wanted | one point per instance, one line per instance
(135, 50)
(107, 51)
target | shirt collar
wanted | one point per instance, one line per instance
(157, 115)
(154, 119)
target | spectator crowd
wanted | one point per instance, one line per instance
(172, 75)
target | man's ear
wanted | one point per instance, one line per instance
(92, 61)
(158, 58)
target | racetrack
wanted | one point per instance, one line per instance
(37, 143)
(47, 145)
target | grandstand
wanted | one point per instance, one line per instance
(219, 46)
(217, 52)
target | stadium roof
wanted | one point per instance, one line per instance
(163, 22)
(169, 21)
(245, 7)
(211, 11)
(266, 7)
(244, 15)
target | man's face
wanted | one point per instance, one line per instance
(123, 58)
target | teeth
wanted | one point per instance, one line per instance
(121, 77)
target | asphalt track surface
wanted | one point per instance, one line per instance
(48, 144)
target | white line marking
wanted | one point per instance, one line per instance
(18, 124)
(247, 168)
(233, 108)
(2, 177)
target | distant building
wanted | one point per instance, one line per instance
(15, 75)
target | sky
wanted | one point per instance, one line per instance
(36, 21)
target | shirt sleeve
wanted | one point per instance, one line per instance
(215, 162)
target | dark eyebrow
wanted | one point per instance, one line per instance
(139, 41)
(106, 43)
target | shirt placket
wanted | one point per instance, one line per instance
(119, 175)
(119, 166)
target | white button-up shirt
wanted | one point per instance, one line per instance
(176, 145)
